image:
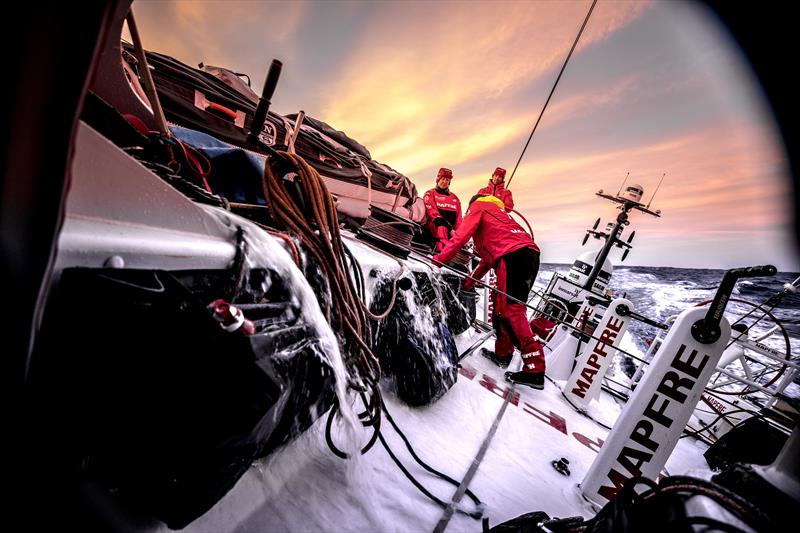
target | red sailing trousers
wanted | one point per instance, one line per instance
(515, 275)
(442, 234)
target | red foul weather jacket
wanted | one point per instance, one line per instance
(447, 206)
(494, 232)
(499, 191)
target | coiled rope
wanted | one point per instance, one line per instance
(316, 223)
(310, 214)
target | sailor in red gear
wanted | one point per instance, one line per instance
(498, 189)
(443, 208)
(504, 245)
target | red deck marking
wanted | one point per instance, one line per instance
(491, 385)
(550, 418)
(593, 445)
(554, 420)
(467, 371)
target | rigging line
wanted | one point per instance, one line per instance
(463, 488)
(463, 275)
(579, 329)
(534, 292)
(580, 410)
(552, 91)
(481, 339)
(427, 261)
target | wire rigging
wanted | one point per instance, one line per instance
(564, 66)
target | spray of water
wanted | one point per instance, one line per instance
(267, 252)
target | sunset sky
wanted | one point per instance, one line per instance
(653, 88)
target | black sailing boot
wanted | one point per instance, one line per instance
(500, 361)
(534, 380)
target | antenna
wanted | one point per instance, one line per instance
(623, 183)
(654, 192)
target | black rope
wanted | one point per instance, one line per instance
(508, 184)
(477, 514)
(422, 463)
(366, 420)
(371, 416)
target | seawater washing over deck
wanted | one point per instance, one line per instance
(304, 487)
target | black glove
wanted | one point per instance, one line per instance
(441, 221)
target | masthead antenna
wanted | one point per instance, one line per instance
(623, 182)
(654, 192)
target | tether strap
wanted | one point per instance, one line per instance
(476, 462)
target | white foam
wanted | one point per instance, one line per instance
(266, 252)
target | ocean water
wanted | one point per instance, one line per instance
(661, 292)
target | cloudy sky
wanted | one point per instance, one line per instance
(653, 88)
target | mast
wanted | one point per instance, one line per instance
(613, 238)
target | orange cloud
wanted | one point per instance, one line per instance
(460, 84)
(725, 180)
(386, 88)
(193, 31)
